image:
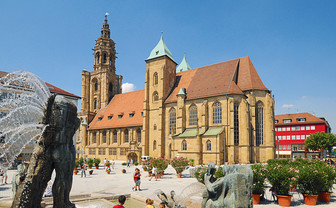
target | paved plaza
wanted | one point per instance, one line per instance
(100, 184)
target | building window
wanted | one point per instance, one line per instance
(120, 116)
(302, 128)
(101, 151)
(293, 128)
(297, 128)
(287, 120)
(288, 137)
(114, 151)
(217, 113)
(276, 121)
(122, 151)
(131, 115)
(307, 127)
(100, 118)
(154, 127)
(94, 138)
(155, 96)
(126, 136)
(154, 145)
(110, 151)
(301, 119)
(92, 151)
(293, 137)
(109, 117)
(193, 115)
(279, 129)
(236, 124)
(110, 87)
(280, 146)
(297, 137)
(98, 57)
(259, 124)
(283, 128)
(302, 137)
(139, 135)
(104, 137)
(184, 145)
(95, 104)
(172, 121)
(96, 85)
(288, 128)
(312, 127)
(155, 78)
(288, 146)
(115, 137)
(208, 145)
(104, 58)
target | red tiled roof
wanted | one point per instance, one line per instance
(309, 118)
(218, 79)
(121, 104)
(52, 88)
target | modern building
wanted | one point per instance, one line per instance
(4, 92)
(293, 129)
(221, 112)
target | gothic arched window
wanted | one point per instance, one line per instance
(172, 121)
(126, 136)
(155, 96)
(96, 85)
(139, 135)
(236, 123)
(155, 78)
(104, 58)
(208, 145)
(184, 145)
(217, 113)
(259, 123)
(98, 57)
(193, 115)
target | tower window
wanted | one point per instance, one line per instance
(157, 52)
(193, 115)
(208, 145)
(96, 85)
(104, 58)
(184, 145)
(155, 96)
(98, 57)
(155, 78)
(216, 113)
(95, 104)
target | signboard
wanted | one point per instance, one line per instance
(80, 151)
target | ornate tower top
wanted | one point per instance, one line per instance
(105, 31)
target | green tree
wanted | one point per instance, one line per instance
(320, 141)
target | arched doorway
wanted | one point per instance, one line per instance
(132, 156)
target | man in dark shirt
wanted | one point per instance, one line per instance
(121, 199)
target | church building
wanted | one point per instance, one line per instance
(221, 112)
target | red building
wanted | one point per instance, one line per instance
(292, 131)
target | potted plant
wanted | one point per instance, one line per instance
(259, 176)
(108, 168)
(310, 178)
(146, 165)
(179, 164)
(76, 164)
(160, 164)
(90, 162)
(192, 162)
(327, 181)
(96, 162)
(281, 177)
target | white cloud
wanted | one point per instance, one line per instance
(288, 105)
(127, 87)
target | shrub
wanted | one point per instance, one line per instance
(179, 164)
(328, 178)
(96, 162)
(259, 176)
(90, 162)
(81, 161)
(202, 170)
(124, 164)
(136, 163)
(310, 179)
(160, 164)
(191, 162)
(146, 165)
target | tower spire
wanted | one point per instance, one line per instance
(105, 31)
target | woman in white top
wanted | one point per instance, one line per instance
(153, 174)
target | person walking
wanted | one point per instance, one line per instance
(136, 178)
(149, 203)
(128, 163)
(104, 162)
(113, 163)
(131, 161)
(83, 170)
(154, 173)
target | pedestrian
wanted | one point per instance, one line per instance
(48, 190)
(121, 200)
(131, 161)
(136, 177)
(154, 173)
(104, 162)
(149, 203)
(4, 176)
(113, 163)
(162, 205)
(83, 170)
(128, 163)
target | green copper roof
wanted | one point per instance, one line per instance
(213, 131)
(184, 66)
(181, 92)
(189, 133)
(160, 50)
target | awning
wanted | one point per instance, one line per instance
(213, 131)
(332, 153)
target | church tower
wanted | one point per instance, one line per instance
(99, 86)
(159, 81)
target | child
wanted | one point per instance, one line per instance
(136, 177)
(121, 200)
(162, 205)
(149, 203)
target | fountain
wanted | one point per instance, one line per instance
(50, 120)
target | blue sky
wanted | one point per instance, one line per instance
(291, 43)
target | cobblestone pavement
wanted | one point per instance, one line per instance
(115, 183)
